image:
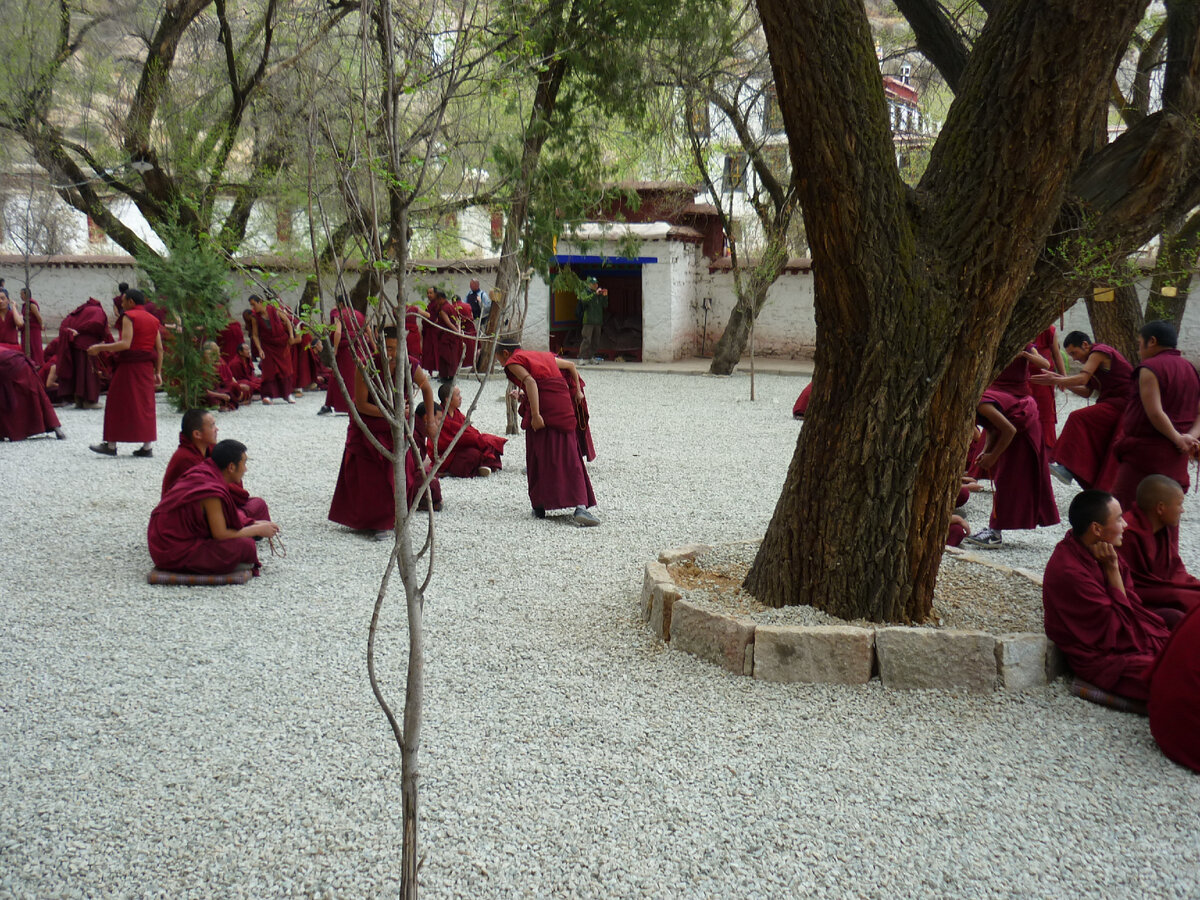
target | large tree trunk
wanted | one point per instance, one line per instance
(1116, 322)
(914, 289)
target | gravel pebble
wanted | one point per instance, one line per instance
(188, 742)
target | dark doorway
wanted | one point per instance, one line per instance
(621, 335)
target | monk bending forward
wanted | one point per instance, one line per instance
(197, 526)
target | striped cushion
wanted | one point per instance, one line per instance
(1089, 691)
(158, 576)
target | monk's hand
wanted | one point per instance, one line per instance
(536, 422)
(988, 460)
(93, 350)
(1186, 444)
(265, 529)
(578, 395)
(158, 379)
(1044, 378)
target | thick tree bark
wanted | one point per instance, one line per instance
(914, 290)
(1116, 322)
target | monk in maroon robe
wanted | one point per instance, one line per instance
(431, 338)
(1160, 428)
(412, 332)
(1174, 686)
(450, 345)
(1151, 550)
(1083, 452)
(306, 363)
(241, 367)
(1046, 346)
(79, 373)
(1092, 612)
(31, 333)
(364, 496)
(230, 340)
(272, 336)
(349, 344)
(11, 324)
(197, 526)
(800, 408)
(553, 416)
(129, 413)
(1014, 379)
(25, 408)
(466, 326)
(197, 437)
(224, 390)
(1014, 455)
(474, 454)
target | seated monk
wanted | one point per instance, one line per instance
(197, 526)
(197, 437)
(1151, 550)
(1174, 687)
(474, 454)
(224, 391)
(1092, 612)
(241, 367)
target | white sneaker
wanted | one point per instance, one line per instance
(484, 472)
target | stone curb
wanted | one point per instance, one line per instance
(905, 658)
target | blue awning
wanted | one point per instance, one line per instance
(570, 259)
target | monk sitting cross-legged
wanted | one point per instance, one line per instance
(197, 526)
(197, 437)
(1151, 550)
(1092, 611)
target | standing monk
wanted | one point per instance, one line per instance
(450, 343)
(11, 323)
(348, 345)
(197, 526)
(1150, 548)
(1092, 612)
(31, 334)
(555, 437)
(129, 413)
(1046, 345)
(431, 338)
(272, 337)
(77, 370)
(1160, 426)
(466, 325)
(1083, 452)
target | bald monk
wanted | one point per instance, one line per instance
(1151, 550)
(129, 413)
(197, 438)
(25, 408)
(1174, 686)
(475, 454)
(272, 336)
(1014, 455)
(1160, 428)
(555, 444)
(1083, 452)
(197, 526)
(364, 496)
(1092, 612)
(241, 367)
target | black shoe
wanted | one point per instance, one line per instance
(143, 452)
(58, 433)
(324, 410)
(539, 512)
(103, 449)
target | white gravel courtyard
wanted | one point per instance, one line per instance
(223, 742)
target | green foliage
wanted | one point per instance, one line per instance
(191, 282)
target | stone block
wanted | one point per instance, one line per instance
(1056, 664)
(680, 554)
(662, 602)
(720, 639)
(1021, 660)
(914, 658)
(822, 654)
(656, 573)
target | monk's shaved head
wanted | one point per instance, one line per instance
(1087, 508)
(1156, 489)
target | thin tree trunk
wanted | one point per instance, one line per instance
(1174, 269)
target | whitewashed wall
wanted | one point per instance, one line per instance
(786, 326)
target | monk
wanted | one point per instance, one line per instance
(31, 334)
(272, 336)
(1046, 346)
(1174, 687)
(1151, 550)
(197, 437)
(197, 526)
(1014, 379)
(11, 324)
(306, 361)
(241, 367)
(80, 374)
(25, 408)
(1160, 428)
(230, 339)
(466, 326)
(431, 338)
(1083, 452)
(553, 416)
(364, 497)
(129, 414)
(348, 342)
(1014, 455)
(475, 454)
(1092, 612)
(450, 344)
(224, 390)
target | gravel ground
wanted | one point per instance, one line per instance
(222, 742)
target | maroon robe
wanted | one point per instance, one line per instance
(431, 338)
(31, 343)
(182, 460)
(242, 371)
(466, 324)
(1044, 394)
(353, 323)
(1109, 638)
(1142, 449)
(1174, 689)
(129, 413)
(412, 335)
(25, 408)
(474, 448)
(178, 534)
(1024, 496)
(230, 340)
(1159, 576)
(363, 497)
(450, 344)
(801, 407)
(557, 477)
(278, 376)
(80, 375)
(1085, 445)
(10, 334)
(306, 364)
(1014, 379)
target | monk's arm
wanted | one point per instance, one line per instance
(1036, 359)
(158, 354)
(254, 336)
(293, 336)
(1151, 397)
(421, 380)
(1106, 555)
(18, 319)
(220, 529)
(529, 385)
(362, 396)
(572, 375)
(1003, 431)
(337, 334)
(36, 314)
(123, 344)
(1078, 383)
(1057, 361)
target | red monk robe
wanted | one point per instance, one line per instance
(10, 332)
(80, 375)
(129, 412)
(450, 344)
(187, 456)
(557, 477)
(230, 340)
(242, 370)
(306, 364)
(1109, 638)
(25, 408)
(801, 407)
(1174, 689)
(226, 391)
(363, 496)
(179, 536)
(273, 337)
(348, 325)
(1085, 445)
(1159, 577)
(431, 336)
(1141, 449)
(466, 324)
(1046, 345)
(412, 334)
(474, 448)
(1024, 497)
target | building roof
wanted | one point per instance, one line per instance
(794, 264)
